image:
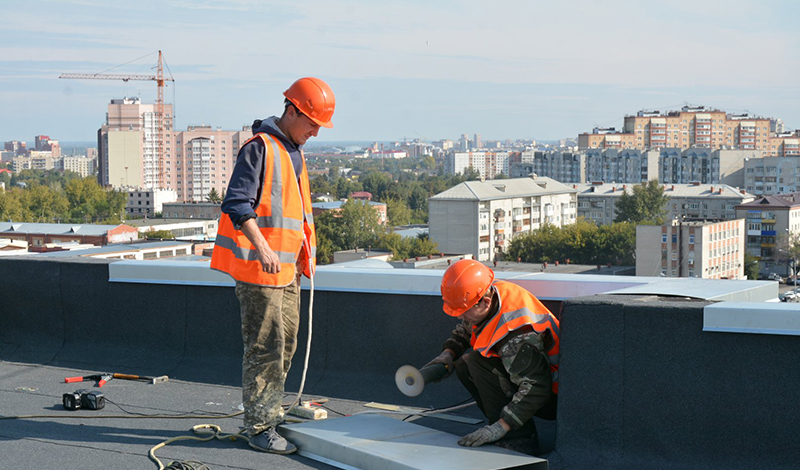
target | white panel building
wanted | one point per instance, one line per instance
(482, 217)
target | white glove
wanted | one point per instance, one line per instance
(484, 435)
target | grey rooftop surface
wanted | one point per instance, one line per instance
(137, 417)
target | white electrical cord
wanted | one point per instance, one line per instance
(308, 343)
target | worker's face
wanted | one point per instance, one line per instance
(299, 127)
(477, 312)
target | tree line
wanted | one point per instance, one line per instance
(54, 197)
(584, 242)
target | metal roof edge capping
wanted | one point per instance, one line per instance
(754, 318)
(371, 441)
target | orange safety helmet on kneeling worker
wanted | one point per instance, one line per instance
(314, 98)
(463, 285)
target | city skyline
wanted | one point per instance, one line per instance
(517, 70)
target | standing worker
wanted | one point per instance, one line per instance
(512, 368)
(266, 242)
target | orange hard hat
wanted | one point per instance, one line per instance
(463, 285)
(314, 98)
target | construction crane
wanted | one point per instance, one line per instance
(159, 79)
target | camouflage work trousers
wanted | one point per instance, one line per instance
(270, 317)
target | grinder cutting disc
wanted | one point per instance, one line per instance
(409, 381)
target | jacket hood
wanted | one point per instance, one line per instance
(270, 127)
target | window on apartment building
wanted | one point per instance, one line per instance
(674, 238)
(663, 238)
(691, 239)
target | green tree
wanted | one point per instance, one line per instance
(582, 242)
(45, 204)
(646, 205)
(398, 212)
(616, 244)
(12, 207)
(378, 183)
(157, 235)
(355, 225)
(750, 266)
(213, 196)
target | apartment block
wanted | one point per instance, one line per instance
(482, 217)
(772, 175)
(148, 202)
(607, 138)
(692, 126)
(565, 167)
(128, 144)
(195, 161)
(771, 220)
(784, 145)
(621, 165)
(83, 166)
(701, 249)
(598, 201)
(202, 159)
(35, 160)
(488, 164)
(703, 165)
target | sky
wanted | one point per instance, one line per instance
(405, 69)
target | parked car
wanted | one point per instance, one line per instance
(774, 277)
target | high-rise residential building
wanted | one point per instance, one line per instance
(703, 165)
(564, 167)
(771, 220)
(621, 165)
(692, 126)
(702, 249)
(128, 144)
(488, 164)
(202, 159)
(476, 142)
(195, 161)
(598, 201)
(482, 217)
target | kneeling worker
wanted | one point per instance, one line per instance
(511, 369)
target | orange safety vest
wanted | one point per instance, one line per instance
(517, 308)
(283, 214)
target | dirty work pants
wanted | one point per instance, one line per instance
(269, 332)
(490, 385)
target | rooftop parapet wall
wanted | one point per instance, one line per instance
(643, 386)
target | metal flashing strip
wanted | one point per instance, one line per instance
(197, 273)
(706, 289)
(371, 441)
(753, 318)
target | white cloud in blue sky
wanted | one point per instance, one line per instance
(504, 69)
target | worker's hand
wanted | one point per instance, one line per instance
(270, 262)
(484, 435)
(446, 357)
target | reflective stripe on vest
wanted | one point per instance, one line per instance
(518, 308)
(283, 216)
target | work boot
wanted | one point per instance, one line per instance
(272, 442)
